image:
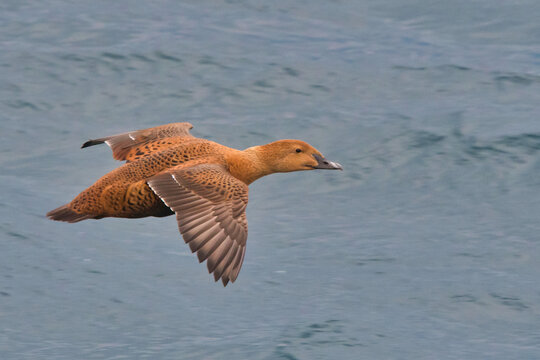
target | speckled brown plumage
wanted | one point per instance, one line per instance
(168, 171)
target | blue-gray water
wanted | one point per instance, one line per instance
(427, 246)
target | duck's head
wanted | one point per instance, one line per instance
(294, 155)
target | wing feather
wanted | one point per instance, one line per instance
(133, 145)
(227, 273)
(218, 254)
(210, 210)
(219, 271)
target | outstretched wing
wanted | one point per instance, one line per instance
(210, 208)
(135, 144)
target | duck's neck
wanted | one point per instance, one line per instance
(247, 165)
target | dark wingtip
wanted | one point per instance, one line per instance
(91, 143)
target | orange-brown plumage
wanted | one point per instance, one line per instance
(168, 171)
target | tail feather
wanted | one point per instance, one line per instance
(64, 213)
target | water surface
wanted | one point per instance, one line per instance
(425, 247)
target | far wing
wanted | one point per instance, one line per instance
(210, 208)
(131, 145)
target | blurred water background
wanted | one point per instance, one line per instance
(427, 246)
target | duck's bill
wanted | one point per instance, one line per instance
(322, 163)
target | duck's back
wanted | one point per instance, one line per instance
(124, 192)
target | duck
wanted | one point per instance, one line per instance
(168, 171)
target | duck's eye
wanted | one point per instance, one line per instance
(298, 150)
